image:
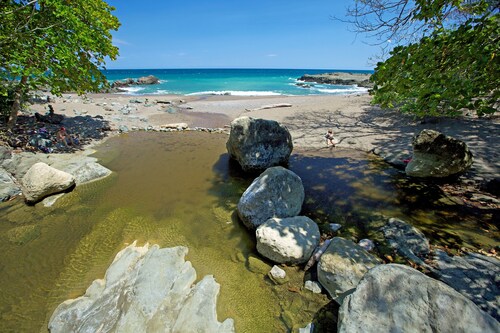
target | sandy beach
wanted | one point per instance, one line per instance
(355, 122)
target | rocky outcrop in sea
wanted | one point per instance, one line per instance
(338, 78)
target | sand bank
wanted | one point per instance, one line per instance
(356, 123)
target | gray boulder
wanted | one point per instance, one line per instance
(277, 192)
(397, 298)
(436, 155)
(475, 276)
(144, 290)
(258, 144)
(42, 180)
(407, 240)
(290, 240)
(342, 266)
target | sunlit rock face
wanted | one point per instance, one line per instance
(277, 192)
(437, 155)
(258, 144)
(146, 289)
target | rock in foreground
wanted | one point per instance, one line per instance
(290, 240)
(277, 192)
(144, 290)
(397, 298)
(437, 155)
(42, 180)
(258, 144)
(475, 276)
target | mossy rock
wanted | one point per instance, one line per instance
(23, 234)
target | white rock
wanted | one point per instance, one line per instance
(290, 240)
(277, 272)
(313, 286)
(144, 290)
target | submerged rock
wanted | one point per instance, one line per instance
(277, 192)
(258, 144)
(406, 239)
(397, 298)
(342, 266)
(42, 180)
(145, 290)
(437, 155)
(290, 240)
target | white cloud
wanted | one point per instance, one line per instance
(272, 55)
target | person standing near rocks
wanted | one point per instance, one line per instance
(330, 138)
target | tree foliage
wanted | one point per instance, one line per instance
(445, 72)
(446, 56)
(57, 44)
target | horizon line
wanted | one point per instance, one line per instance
(270, 68)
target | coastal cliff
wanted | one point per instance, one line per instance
(359, 79)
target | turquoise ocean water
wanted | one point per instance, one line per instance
(238, 82)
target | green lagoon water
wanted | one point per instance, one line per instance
(181, 189)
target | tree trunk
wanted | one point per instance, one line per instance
(16, 105)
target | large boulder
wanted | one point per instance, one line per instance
(475, 276)
(258, 144)
(42, 180)
(342, 266)
(438, 156)
(277, 192)
(144, 290)
(290, 240)
(397, 298)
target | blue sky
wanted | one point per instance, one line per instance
(237, 34)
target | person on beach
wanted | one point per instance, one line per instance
(330, 138)
(64, 137)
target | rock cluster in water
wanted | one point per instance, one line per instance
(145, 289)
(145, 80)
(39, 183)
(373, 296)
